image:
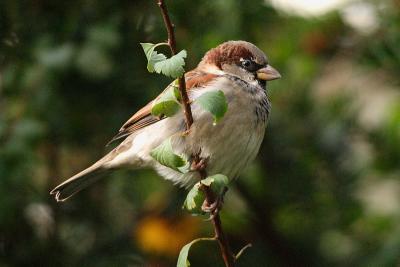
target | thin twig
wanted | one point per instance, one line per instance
(227, 255)
(172, 45)
(226, 252)
(242, 250)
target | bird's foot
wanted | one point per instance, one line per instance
(199, 165)
(214, 207)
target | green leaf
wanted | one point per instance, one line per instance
(195, 197)
(148, 49)
(168, 103)
(215, 103)
(173, 66)
(183, 255)
(152, 56)
(186, 167)
(217, 182)
(158, 62)
(165, 155)
(194, 200)
(207, 181)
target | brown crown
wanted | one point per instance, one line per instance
(231, 52)
(226, 53)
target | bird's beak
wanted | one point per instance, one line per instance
(268, 74)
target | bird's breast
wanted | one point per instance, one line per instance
(228, 145)
(235, 140)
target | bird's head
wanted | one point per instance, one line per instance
(241, 59)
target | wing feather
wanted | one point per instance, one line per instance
(143, 117)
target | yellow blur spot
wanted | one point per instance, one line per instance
(158, 235)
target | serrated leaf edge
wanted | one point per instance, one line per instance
(183, 158)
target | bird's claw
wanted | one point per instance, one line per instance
(211, 208)
(199, 165)
(214, 207)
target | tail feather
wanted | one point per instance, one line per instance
(79, 181)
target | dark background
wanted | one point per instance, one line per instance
(324, 190)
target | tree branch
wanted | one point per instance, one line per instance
(226, 252)
(227, 255)
(172, 46)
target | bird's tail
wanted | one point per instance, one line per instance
(80, 181)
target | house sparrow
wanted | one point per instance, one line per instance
(237, 68)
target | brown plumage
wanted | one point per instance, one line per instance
(143, 117)
(229, 53)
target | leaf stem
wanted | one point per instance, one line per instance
(242, 250)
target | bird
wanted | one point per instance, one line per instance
(241, 71)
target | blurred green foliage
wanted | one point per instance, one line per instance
(324, 191)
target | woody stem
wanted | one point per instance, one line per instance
(172, 45)
(226, 252)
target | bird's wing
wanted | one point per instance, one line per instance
(143, 118)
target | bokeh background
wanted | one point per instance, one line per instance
(324, 190)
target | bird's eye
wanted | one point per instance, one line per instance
(246, 63)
